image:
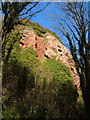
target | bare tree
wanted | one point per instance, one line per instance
(75, 27)
(12, 11)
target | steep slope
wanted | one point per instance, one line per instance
(46, 43)
(37, 82)
(48, 46)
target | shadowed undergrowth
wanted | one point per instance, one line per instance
(32, 89)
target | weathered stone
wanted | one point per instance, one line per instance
(28, 39)
(52, 47)
(49, 53)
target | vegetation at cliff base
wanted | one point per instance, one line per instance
(32, 89)
(35, 84)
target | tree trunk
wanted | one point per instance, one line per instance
(86, 93)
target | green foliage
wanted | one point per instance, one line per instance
(39, 30)
(11, 39)
(11, 114)
(80, 105)
(59, 70)
(61, 83)
(37, 90)
(80, 100)
(26, 57)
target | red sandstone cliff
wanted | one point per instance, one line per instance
(49, 46)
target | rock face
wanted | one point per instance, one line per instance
(47, 47)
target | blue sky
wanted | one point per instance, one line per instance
(43, 17)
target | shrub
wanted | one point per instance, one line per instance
(11, 114)
(58, 91)
(39, 30)
(40, 90)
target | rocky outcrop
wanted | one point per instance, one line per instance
(28, 39)
(47, 47)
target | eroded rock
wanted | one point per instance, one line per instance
(47, 47)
